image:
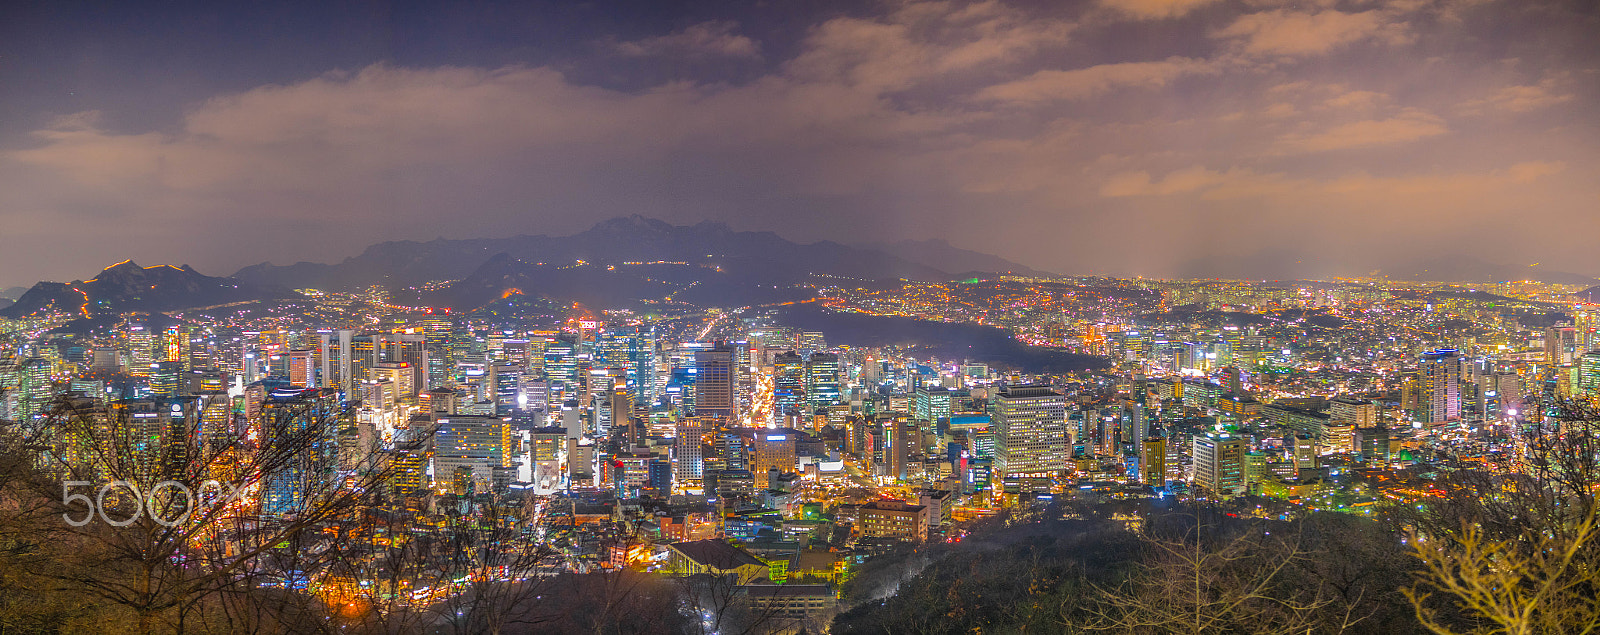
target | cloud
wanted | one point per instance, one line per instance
(1294, 33)
(1520, 99)
(1054, 85)
(1155, 9)
(1357, 100)
(921, 41)
(1405, 128)
(707, 39)
(1240, 183)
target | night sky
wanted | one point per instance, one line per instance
(1153, 137)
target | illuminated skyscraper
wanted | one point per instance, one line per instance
(167, 380)
(715, 373)
(822, 381)
(1219, 464)
(773, 449)
(302, 423)
(1440, 386)
(933, 404)
(1589, 375)
(476, 444)
(1030, 428)
(302, 368)
(688, 454)
(789, 383)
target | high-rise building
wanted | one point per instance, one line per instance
(788, 383)
(688, 450)
(1219, 464)
(476, 443)
(302, 368)
(1153, 460)
(933, 404)
(1588, 384)
(1030, 426)
(1441, 386)
(561, 368)
(808, 342)
(822, 381)
(1560, 345)
(1372, 444)
(302, 422)
(715, 373)
(773, 449)
(167, 380)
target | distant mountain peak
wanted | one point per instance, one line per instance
(632, 223)
(126, 286)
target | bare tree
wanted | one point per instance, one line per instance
(179, 512)
(1226, 585)
(1517, 551)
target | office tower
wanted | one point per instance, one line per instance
(1503, 392)
(1030, 426)
(788, 383)
(1441, 386)
(898, 443)
(616, 414)
(561, 368)
(548, 453)
(822, 381)
(772, 450)
(1304, 450)
(1588, 384)
(1560, 345)
(809, 342)
(410, 349)
(509, 388)
(302, 368)
(688, 450)
(301, 422)
(1153, 460)
(715, 374)
(730, 449)
(475, 444)
(399, 374)
(1411, 398)
(436, 330)
(1219, 464)
(932, 404)
(141, 353)
(167, 380)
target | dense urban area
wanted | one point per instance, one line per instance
(344, 462)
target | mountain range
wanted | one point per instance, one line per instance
(627, 262)
(126, 286)
(618, 262)
(758, 255)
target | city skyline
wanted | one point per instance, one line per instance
(1203, 135)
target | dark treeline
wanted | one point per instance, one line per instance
(1184, 570)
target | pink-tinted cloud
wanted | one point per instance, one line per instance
(1295, 33)
(715, 38)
